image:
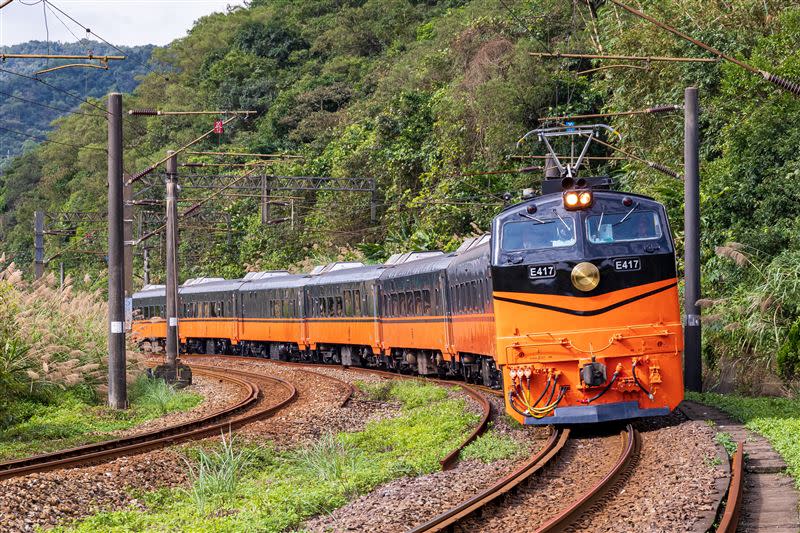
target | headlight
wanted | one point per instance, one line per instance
(577, 199)
(585, 276)
(571, 200)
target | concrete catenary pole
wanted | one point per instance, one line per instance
(117, 387)
(172, 263)
(38, 244)
(127, 233)
(692, 363)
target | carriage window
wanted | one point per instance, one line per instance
(348, 303)
(357, 302)
(623, 227)
(426, 302)
(418, 302)
(394, 307)
(535, 235)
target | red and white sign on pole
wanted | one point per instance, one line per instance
(218, 127)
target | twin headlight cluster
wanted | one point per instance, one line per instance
(574, 200)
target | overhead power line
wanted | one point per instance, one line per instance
(45, 140)
(139, 175)
(788, 85)
(558, 55)
(56, 88)
(650, 110)
(156, 112)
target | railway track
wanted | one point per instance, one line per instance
(592, 501)
(567, 519)
(209, 425)
(476, 392)
(536, 462)
(733, 507)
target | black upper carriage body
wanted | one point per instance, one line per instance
(545, 268)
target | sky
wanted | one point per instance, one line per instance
(121, 22)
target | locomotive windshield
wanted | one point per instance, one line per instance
(623, 227)
(536, 235)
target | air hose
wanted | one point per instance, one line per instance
(638, 383)
(605, 389)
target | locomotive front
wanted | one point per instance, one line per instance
(586, 308)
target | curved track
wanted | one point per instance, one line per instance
(593, 500)
(476, 392)
(203, 427)
(730, 517)
(453, 516)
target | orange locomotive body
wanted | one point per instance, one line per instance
(572, 310)
(586, 309)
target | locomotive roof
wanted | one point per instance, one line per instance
(557, 195)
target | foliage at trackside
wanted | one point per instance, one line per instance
(52, 338)
(777, 419)
(264, 488)
(422, 96)
(67, 418)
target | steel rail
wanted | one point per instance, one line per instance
(473, 391)
(730, 518)
(622, 469)
(206, 426)
(537, 461)
(349, 389)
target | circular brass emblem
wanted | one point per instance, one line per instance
(585, 276)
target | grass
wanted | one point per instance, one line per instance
(261, 488)
(493, 446)
(777, 419)
(72, 417)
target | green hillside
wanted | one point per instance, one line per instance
(25, 118)
(426, 98)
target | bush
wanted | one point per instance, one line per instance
(788, 358)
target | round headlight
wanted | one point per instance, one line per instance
(585, 276)
(585, 198)
(571, 199)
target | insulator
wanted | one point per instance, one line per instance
(664, 108)
(791, 86)
(143, 112)
(662, 168)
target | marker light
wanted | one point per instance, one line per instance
(571, 200)
(585, 199)
(585, 276)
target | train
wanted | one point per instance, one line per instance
(569, 305)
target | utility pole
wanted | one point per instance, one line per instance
(172, 371)
(38, 244)
(172, 263)
(692, 362)
(117, 387)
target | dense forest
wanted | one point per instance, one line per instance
(24, 122)
(429, 99)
